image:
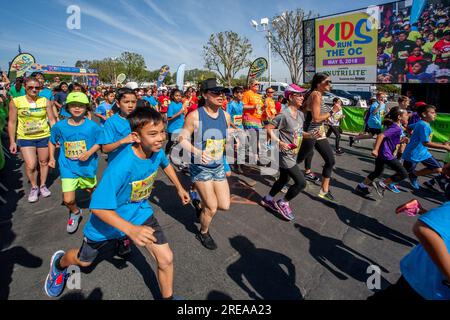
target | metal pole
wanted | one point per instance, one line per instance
(270, 58)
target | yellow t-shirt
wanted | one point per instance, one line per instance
(388, 39)
(32, 122)
(414, 35)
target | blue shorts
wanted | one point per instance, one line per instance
(37, 143)
(202, 174)
(430, 163)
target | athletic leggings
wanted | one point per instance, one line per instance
(285, 174)
(170, 143)
(394, 164)
(323, 147)
(335, 130)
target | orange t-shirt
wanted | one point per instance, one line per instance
(251, 98)
(269, 111)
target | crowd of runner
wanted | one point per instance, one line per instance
(66, 126)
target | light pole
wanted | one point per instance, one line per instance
(265, 28)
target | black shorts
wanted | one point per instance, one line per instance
(373, 131)
(90, 249)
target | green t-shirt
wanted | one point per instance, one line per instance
(414, 35)
(13, 93)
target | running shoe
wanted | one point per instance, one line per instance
(378, 188)
(327, 196)
(124, 247)
(411, 208)
(393, 187)
(284, 209)
(285, 189)
(45, 192)
(206, 240)
(363, 190)
(56, 280)
(339, 152)
(312, 177)
(74, 222)
(34, 195)
(270, 204)
(414, 183)
(351, 141)
(430, 185)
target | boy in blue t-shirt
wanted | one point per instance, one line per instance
(235, 109)
(120, 205)
(426, 269)
(78, 159)
(116, 134)
(417, 149)
(105, 110)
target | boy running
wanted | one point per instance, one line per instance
(119, 206)
(78, 159)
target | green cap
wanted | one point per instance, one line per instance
(79, 97)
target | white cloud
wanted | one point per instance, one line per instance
(159, 12)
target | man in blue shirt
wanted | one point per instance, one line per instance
(376, 113)
(120, 206)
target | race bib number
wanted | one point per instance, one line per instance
(403, 54)
(74, 149)
(322, 132)
(109, 113)
(298, 137)
(142, 189)
(237, 120)
(214, 148)
(34, 127)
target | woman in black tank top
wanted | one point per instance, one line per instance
(316, 116)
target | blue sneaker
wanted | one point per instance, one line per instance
(392, 187)
(56, 280)
(414, 183)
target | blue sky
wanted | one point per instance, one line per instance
(164, 32)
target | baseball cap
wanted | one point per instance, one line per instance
(132, 85)
(79, 97)
(442, 73)
(293, 88)
(420, 104)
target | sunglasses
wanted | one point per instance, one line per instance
(217, 92)
(328, 82)
(270, 91)
(33, 88)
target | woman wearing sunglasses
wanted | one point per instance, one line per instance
(317, 115)
(29, 118)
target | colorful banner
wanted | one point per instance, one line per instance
(354, 122)
(180, 76)
(346, 47)
(49, 69)
(163, 72)
(257, 68)
(20, 65)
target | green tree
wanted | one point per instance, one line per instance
(134, 65)
(227, 53)
(286, 39)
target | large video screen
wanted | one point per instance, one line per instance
(400, 42)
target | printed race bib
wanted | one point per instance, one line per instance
(74, 149)
(141, 190)
(403, 54)
(322, 132)
(109, 113)
(33, 127)
(237, 120)
(214, 148)
(298, 137)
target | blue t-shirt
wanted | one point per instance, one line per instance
(74, 140)
(418, 269)
(61, 97)
(176, 124)
(374, 120)
(419, 78)
(236, 109)
(46, 93)
(151, 100)
(104, 109)
(114, 129)
(125, 188)
(415, 151)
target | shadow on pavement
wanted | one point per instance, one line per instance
(96, 294)
(10, 179)
(339, 259)
(217, 295)
(271, 275)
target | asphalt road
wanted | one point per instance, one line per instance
(323, 254)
